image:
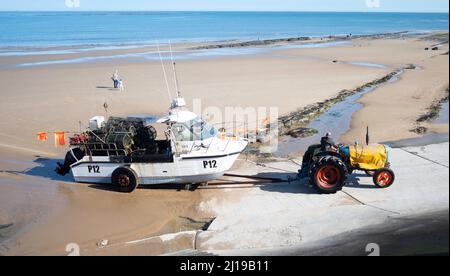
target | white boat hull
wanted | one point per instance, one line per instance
(183, 170)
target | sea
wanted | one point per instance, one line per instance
(30, 30)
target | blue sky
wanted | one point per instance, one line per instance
(232, 5)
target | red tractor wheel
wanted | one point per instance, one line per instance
(384, 178)
(328, 176)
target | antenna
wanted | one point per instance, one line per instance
(175, 75)
(165, 74)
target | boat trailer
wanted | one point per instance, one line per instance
(252, 180)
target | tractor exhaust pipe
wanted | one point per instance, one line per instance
(367, 137)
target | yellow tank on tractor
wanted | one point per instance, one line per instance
(328, 169)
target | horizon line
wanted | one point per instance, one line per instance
(255, 11)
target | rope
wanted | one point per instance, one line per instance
(165, 74)
(265, 166)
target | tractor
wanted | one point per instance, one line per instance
(328, 168)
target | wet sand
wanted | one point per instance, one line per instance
(45, 215)
(391, 112)
(40, 213)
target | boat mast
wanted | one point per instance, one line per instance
(175, 75)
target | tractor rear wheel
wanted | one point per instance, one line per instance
(328, 175)
(384, 178)
(124, 180)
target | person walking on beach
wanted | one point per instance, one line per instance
(120, 85)
(115, 79)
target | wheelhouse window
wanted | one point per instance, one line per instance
(194, 130)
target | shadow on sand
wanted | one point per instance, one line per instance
(354, 182)
(109, 88)
(172, 187)
(46, 168)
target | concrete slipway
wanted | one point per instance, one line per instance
(410, 218)
(279, 217)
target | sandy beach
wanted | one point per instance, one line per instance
(41, 213)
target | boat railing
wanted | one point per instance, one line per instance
(105, 149)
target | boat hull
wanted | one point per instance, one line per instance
(183, 170)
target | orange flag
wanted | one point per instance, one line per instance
(42, 136)
(60, 139)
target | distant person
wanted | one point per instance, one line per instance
(120, 85)
(115, 79)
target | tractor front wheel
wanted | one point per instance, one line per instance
(384, 178)
(328, 175)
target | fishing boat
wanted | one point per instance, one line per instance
(128, 152)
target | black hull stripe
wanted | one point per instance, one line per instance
(184, 158)
(209, 157)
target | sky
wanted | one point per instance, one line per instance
(228, 5)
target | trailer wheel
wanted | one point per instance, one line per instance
(124, 180)
(191, 187)
(328, 175)
(384, 178)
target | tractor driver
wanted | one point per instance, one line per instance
(327, 143)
